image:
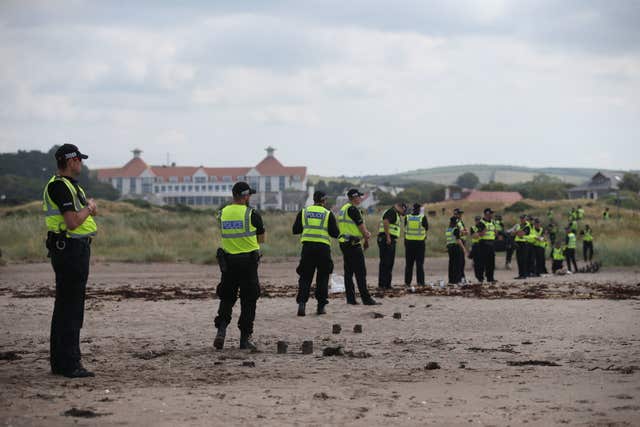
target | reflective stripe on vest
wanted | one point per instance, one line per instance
(572, 241)
(473, 230)
(460, 226)
(520, 227)
(315, 225)
(347, 227)
(414, 229)
(237, 232)
(55, 220)
(394, 227)
(558, 254)
(539, 233)
(450, 237)
(588, 237)
(489, 230)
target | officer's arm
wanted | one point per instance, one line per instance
(262, 237)
(297, 224)
(73, 219)
(385, 225)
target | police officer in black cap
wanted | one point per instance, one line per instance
(242, 231)
(69, 218)
(316, 224)
(487, 254)
(388, 233)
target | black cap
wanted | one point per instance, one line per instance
(523, 216)
(453, 219)
(242, 189)
(69, 151)
(498, 216)
(488, 211)
(478, 217)
(417, 206)
(457, 211)
(354, 192)
(319, 196)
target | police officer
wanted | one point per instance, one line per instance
(570, 250)
(474, 254)
(352, 232)
(487, 233)
(464, 232)
(539, 247)
(242, 231)
(388, 233)
(587, 243)
(456, 251)
(70, 227)
(316, 224)
(521, 232)
(415, 234)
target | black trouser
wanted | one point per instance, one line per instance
(587, 251)
(456, 259)
(487, 260)
(414, 254)
(509, 247)
(531, 259)
(353, 257)
(541, 267)
(241, 274)
(570, 256)
(314, 257)
(522, 257)
(463, 261)
(71, 267)
(557, 265)
(387, 259)
(477, 261)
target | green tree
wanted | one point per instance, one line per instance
(630, 182)
(468, 180)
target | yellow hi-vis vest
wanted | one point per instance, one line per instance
(558, 254)
(588, 237)
(451, 238)
(394, 227)
(519, 227)
(347, 227)
(539, 233)
(572, 240)
(54, 218)
(237, 232)
(474, 238)
(414, 229)
(580, 213)
(315, 225)
(489, 230)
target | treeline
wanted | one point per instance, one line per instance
(23, 175)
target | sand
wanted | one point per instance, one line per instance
(547, 351)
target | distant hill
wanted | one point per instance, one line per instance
(487, 173)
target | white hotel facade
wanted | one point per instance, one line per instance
(278, 186)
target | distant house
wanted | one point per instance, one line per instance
(600, 185)
(278, 186)
(507, 197)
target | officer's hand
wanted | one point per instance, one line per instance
(388, 240)
(367, 235)
(366, 244)
(93, 208)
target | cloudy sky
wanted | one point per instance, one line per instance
(343, 87)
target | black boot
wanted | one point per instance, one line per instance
(321, 309)
(246, 343)
(301, 309)
(218, 342)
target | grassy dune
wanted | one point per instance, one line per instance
(135, 234)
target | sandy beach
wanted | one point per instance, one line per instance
(546, 351)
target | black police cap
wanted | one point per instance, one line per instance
(69, 151)
(242, 189)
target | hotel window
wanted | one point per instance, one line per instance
(190, 188)
(254, 182)
(186, 179)
(281, 183)
(163, 188)
(183, 188)
(212, 178)
(173, 179)
(132, 185)
(159, 179)
(226, 178)
(211, 188)
(119, 184)
(267, 185)
(217, 187)
(200, 179)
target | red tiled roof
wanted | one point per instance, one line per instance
(134, 167)
(234, 173)
(493, 196)
(270, 166)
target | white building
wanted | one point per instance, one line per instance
(278, 186)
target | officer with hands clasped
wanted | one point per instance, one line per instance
(242, 231)
(415, 234)
(69, 219)
(316, 224)
(352, 232)
(388, 233)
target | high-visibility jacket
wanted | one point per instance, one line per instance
(460, 226)
(54, 218)
(580, 213)
(519, 227)
(606, 215)
(414, 229)
(588, 237)
(474, 238)
(346, 225)
(557, 254)
(450, 237)
(539, 233)
(499, 226)
(237, 232)
(571, 244)
(489, 230)
(394, 227)
(315, 225)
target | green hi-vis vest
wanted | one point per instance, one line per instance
(451, 238)
(606, 215)
(237, 232)
(580, 214)
(415, 230)
(315, 225)
(573, 226)
(460, 226)
(347, 227)
(55, 220)
(474, 238)
(499, 226)
(558, 254)
(572, 241)
(489, 230)
(524, 238)
(394, 227)
(588, 237)
(539, 233)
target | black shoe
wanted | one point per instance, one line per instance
(370, 301)
(301, 309)
(246, 343)
(354, 302)
(218, 342)
(79, 372)
(321, 309)
(520, 277)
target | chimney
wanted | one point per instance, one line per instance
(269, 151)
(136, 153)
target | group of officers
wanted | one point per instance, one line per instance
(71, 227)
